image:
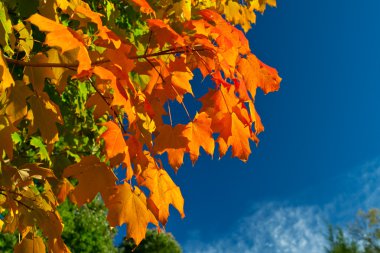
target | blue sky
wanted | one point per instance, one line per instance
(318, 159)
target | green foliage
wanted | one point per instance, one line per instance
(362, 236)
(86, 229)
(154, 242)
(7, 242)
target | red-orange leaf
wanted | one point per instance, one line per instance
(232, 133)
(144, 6)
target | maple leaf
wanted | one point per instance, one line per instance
(64, 38)
(232, 133)
(93, 177)
(6, 79)
(114, 143)
(164, 33)
(57, 76)
(144, 6)
(163, 192)
(222, 100)
(30, 243)
(109, 78)
(63, 189)
(17, 108)
(256, 74)
(270, 81)
(129, 206)
(199, 134)
(25, 40)
(171, 140)
(44, 115)
(7, 38)
(6, 130)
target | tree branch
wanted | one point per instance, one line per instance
(179, 50)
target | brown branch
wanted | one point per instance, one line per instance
(100, 62)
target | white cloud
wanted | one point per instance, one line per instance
(283, 228)
(271, 229)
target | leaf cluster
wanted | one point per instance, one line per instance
(88, 87)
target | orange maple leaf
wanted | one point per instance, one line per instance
(114, 143)
(163, 192)
(171, 140)
(129, 206)
(199, 134)
(93, 177)
(64, 38)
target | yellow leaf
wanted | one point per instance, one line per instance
(44, 115)
(57, 76)
(7, 38)
(239, 15)
(25, 41)
(6, 130)
(17, 108)
(129, 206)
(6, 79)
(163, 192)
(93, 177)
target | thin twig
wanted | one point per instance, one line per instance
(225, 101)
(170, 114)
(109, 105)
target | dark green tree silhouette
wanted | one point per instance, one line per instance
(154, 242)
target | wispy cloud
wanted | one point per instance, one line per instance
(273, 228)
(285, 228)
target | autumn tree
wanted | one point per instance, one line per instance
(89, 87)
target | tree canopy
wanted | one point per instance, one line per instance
(88, 87)
(361, 236)
(158, 242)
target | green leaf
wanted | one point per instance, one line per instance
(16, 138)
(140, 81)
(7, 38)
(42, 151)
